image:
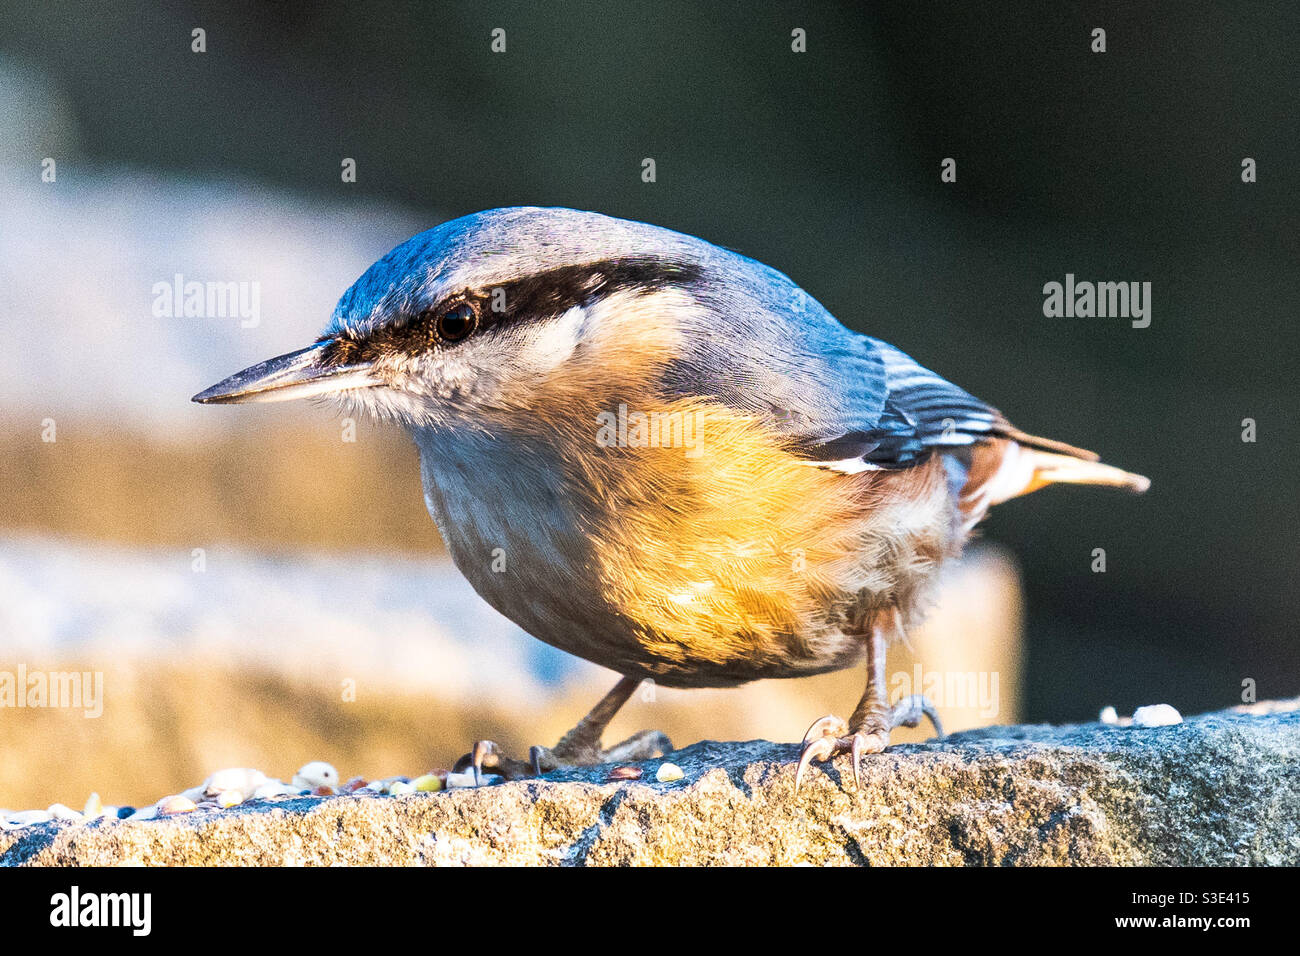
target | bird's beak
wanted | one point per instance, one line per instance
(299, 374)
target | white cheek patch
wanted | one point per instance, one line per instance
(551, 344)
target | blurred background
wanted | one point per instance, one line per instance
(259, 590)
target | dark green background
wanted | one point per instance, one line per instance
(1122, 166)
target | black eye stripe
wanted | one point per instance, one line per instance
(556, 291)
(410, 336)
(543, 295)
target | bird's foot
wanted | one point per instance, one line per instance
(829, 736)
(487, 756)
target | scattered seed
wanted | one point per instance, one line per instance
(25, 818)
(1156, 715)
(237, 785)
(624, 773)
(60, 812)
(243, 779)
(458, 781)
(170, 806)
(274, 788)
(668, 772)
(429, 783)
(316, 774)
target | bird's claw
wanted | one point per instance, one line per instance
(829, 736)
(486, 755)
(818, 748)
(484, 750)
(909, 711)
(825, 727)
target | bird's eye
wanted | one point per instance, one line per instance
(457, 323)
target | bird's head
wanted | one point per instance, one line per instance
(468, 317)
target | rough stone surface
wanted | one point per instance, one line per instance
(1222, 788)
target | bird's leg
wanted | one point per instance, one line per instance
(579, 747)
(867, 731)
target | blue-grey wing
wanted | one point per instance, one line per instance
(772, 350)
(920, 411)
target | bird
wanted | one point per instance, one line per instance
(667, 458)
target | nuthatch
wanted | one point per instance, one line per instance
(667, 458)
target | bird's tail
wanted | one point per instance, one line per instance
(1016, 464)
(1050, 468)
